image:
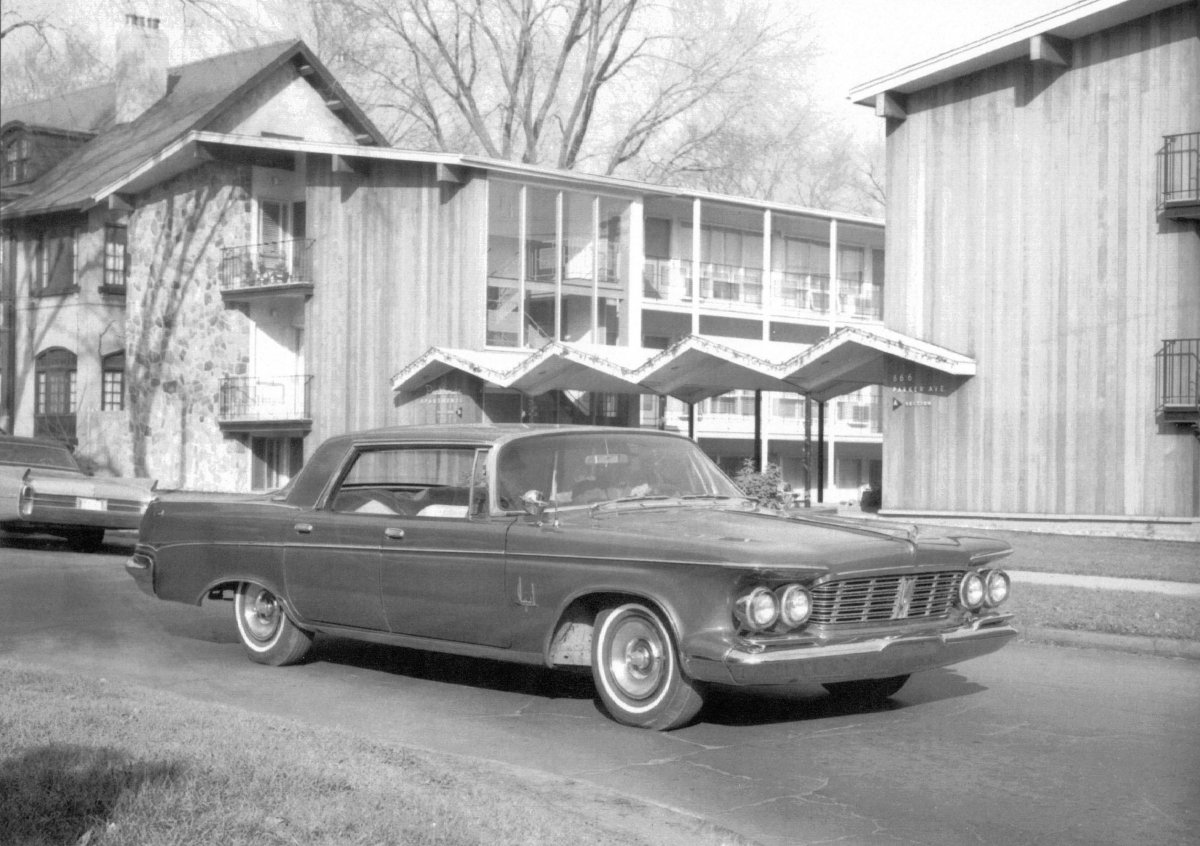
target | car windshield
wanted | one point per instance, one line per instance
(37, 455)
(570, 469)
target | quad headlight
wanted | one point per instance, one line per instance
(996, 586)
(971, 591)
(795, 604)
(761, 609)
(987, 589)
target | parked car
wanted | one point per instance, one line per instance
(43, 490)
(622, 550)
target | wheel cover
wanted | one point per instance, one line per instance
(261, 614)
(637, 664)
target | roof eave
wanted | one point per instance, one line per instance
(1079, 19)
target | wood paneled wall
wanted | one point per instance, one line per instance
(1021, 230)
(398, 266)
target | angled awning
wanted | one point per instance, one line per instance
(696, 367)
(854, 357)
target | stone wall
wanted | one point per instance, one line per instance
(181, 339)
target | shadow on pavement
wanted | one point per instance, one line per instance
(455, 669)
(763, 706)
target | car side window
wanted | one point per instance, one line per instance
(414, 481)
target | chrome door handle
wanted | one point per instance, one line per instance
(394, 534)
(303, 528)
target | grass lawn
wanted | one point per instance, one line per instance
(1110, 611)
(88, 763)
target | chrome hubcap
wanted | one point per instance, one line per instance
(637, 661)
(261, 614)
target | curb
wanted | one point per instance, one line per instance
(1163, 647)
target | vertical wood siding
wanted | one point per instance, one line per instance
(1022, 231)
(397, 265)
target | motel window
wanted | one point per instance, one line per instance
(54, 404)
(557, 266)
(112, 386)
(116, 259)
(54, 266)
(16, 158)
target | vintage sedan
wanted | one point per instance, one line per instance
(622, 550)
(44, 491)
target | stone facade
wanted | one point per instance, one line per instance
(181, 339)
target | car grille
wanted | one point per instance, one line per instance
(883, 598)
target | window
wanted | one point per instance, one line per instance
(410, 481)
(16, 159)
(116, 262)
(112, 386)
(55, 262)
(557, 266)
(54, 407)
(275, 461)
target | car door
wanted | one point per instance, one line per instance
(441, 570)
(331, 568)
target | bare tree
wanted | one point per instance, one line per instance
(568, 83)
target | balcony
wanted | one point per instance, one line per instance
(1179, 177)
(1177, 377)
(730, 288)
(281, 268)
(251, 403)
(722, 286)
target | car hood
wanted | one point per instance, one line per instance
(761, 540)
(47, 481)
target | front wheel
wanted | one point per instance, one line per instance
(266, 632)
(636, 670)
(870, 691)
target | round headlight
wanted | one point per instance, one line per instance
(997, 588)
(971, 591)
(758, 609)
(794, 606)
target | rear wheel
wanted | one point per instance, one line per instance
(635, 667)
(266, 632)
(866, 690)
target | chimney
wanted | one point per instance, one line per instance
(141, 73)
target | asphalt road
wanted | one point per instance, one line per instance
(1034, 744)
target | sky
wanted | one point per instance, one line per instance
(861, 39)
(866, 39)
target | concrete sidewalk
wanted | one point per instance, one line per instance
(1184, 589)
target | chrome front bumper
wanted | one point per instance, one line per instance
(727, 662)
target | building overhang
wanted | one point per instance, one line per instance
(694, 368)
(1046, 38)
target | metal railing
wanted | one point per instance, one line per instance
(265, 398)
(1177, 376)
(721, 285)
(266, 265)
(741, 288)
(1179, 169)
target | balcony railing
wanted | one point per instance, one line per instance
(265, 399)
(1177, 374)
(741, 288)
(263, 266)
(721, 285)
(1179, 176)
